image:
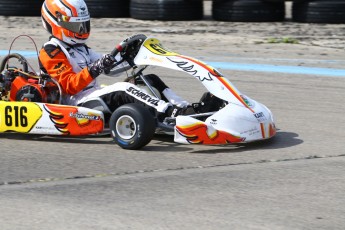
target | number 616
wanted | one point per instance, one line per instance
(16, 115)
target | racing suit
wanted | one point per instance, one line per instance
(69, 66)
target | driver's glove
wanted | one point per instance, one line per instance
(105, 64)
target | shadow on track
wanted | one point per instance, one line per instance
(60, 139)
(280, 141)
(165, 143)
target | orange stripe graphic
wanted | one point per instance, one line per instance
(74, 10)
(221, 79)
(262, 130)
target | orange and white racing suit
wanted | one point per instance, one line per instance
(69, 66)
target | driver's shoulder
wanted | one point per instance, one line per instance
(51, 50)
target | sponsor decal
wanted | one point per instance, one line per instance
(84, 116)
(85, 15)
(63, 68)
(55, 52)
(68, 120)
(44, 128)
(156, 47)
(248, 102)
(58, 65)
(155, 59)
(260, 116)
(84, 119)
(251, 132)
(142, 96)
(213, 122)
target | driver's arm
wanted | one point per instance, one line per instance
(55, 63)
(117, 70)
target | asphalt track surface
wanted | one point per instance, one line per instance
(294, 181)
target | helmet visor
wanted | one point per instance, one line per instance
(75, 24)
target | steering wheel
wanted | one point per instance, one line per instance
(129, 47)
(20, 58)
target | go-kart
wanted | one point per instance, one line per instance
(31, 103)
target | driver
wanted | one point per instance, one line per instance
(76, 67)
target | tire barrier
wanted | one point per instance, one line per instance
(108, 8)
(173, 10)
(248, 10)
(97, 8)
(304, 11)
(319, 11)
(274, 0)
(20, 7)
(284, 0)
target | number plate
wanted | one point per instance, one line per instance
(51, 119)
(19, 116)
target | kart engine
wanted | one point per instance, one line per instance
(20, 85)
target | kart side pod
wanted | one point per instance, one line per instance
(49, 119)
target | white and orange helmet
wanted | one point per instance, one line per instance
(67, 20)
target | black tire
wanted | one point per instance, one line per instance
(274, 0)
(284, 0)
(108, 8)
(172, 10)
(248, 11)
(326, 11)
(132, 126)
(21, 7)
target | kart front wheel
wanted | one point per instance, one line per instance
(132, 126)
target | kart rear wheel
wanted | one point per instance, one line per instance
(132, 126)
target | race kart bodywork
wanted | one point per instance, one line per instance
(49, 119)
(240, 120)
(31, 104)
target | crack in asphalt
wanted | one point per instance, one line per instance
(42, 180)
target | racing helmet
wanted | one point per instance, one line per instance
(67, 20)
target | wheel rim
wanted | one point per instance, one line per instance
(126, 127)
